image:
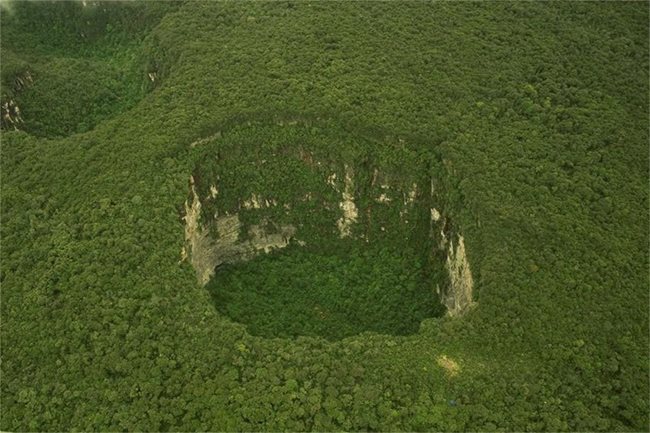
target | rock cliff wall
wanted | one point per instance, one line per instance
(458, 295)
(207, 251)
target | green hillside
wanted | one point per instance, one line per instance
(319, 216)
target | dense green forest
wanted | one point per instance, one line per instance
(525, 123)
(307, 293)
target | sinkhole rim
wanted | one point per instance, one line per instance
(249, 121)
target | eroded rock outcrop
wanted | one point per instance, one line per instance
(11, 116)
(347, 205)
(449, 244)
(458, 295)
(207, 250)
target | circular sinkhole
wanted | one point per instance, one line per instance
(68, 66)
(298, 227)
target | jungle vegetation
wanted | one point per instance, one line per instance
(534, 115)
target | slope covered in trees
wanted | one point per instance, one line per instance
(535, 112)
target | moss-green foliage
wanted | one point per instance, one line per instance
(299, 164)
(86, 61)
(538, 114)
(46, 105)
(308, 293)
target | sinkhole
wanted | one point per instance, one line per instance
(68, 66)
(298, 227)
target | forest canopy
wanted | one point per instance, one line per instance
(524, 125)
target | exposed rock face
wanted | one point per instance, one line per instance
(207, 252)
(198, 246)
(11, 116)
(458, 296)
(349, 208)
(10, 112)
